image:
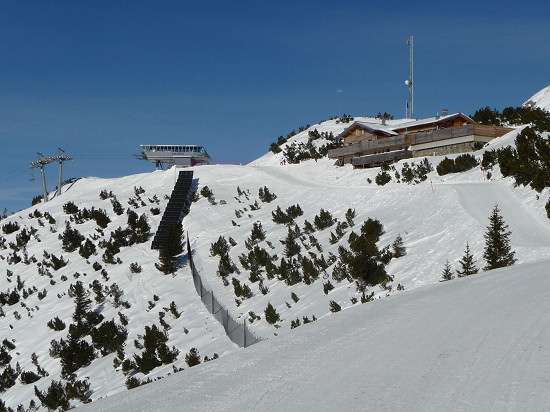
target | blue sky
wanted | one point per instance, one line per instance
(98, 78)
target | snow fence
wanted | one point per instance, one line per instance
(237, 332)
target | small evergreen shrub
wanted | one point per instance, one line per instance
(447, 272)
(467, 264)
(323, 220)
(207, 192)
(219, 248)
(460, 164)
(109, 337)
(28, 377)
(334, 307)
(241, 290)
(350, 215)
(258, 234)
(271, 315)
(56, 324)
(104, 195)
(10, 227)
(138, 191)
(117, 207)
(226, 267)
(274, 147)
(58, 396)
(98, 290)
(132, 382)
(398, 248)
(364, 262)
(295, 323)
(382, 178)
(174, 310)
(291, 245)
(327, 287)
(87, 249)
(100, 217)
(135, 268)
(265, 195)
(292, 212)
(50, 218)
(193, 358)
(156, 352)
(70, 239)
(308, 228)
(138, 228)
(70, 208)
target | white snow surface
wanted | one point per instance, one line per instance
(478, 343)
(469, 344)
(540, 99)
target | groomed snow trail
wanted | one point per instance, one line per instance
(477, 199)
(477, 343)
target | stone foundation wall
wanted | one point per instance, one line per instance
(445, 150)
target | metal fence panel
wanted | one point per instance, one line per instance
(237, 332)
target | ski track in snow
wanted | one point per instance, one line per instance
(478, 199)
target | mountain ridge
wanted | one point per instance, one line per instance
(436, 218)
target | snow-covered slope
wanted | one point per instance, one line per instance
(435, 218)
(540, 99)
(476, 344)
(25, 323)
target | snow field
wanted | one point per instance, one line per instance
(435, 226)
(476, 343)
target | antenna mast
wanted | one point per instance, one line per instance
(339, 91)
(409, 82)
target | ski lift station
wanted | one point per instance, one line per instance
(178, 155)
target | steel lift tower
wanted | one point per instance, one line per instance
(42, 161)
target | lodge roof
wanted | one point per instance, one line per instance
(392, 126)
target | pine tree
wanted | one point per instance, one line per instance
(75, 353)
(258, 234)
(108, 337)
(156, 351)
(193, 358)
(350, 215)
(82, 301)
(497, 251)
(467, 263)
(142, 230)
(55, 397)
(447, 272)
(291, 246)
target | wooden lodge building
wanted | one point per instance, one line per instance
(372, 143)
